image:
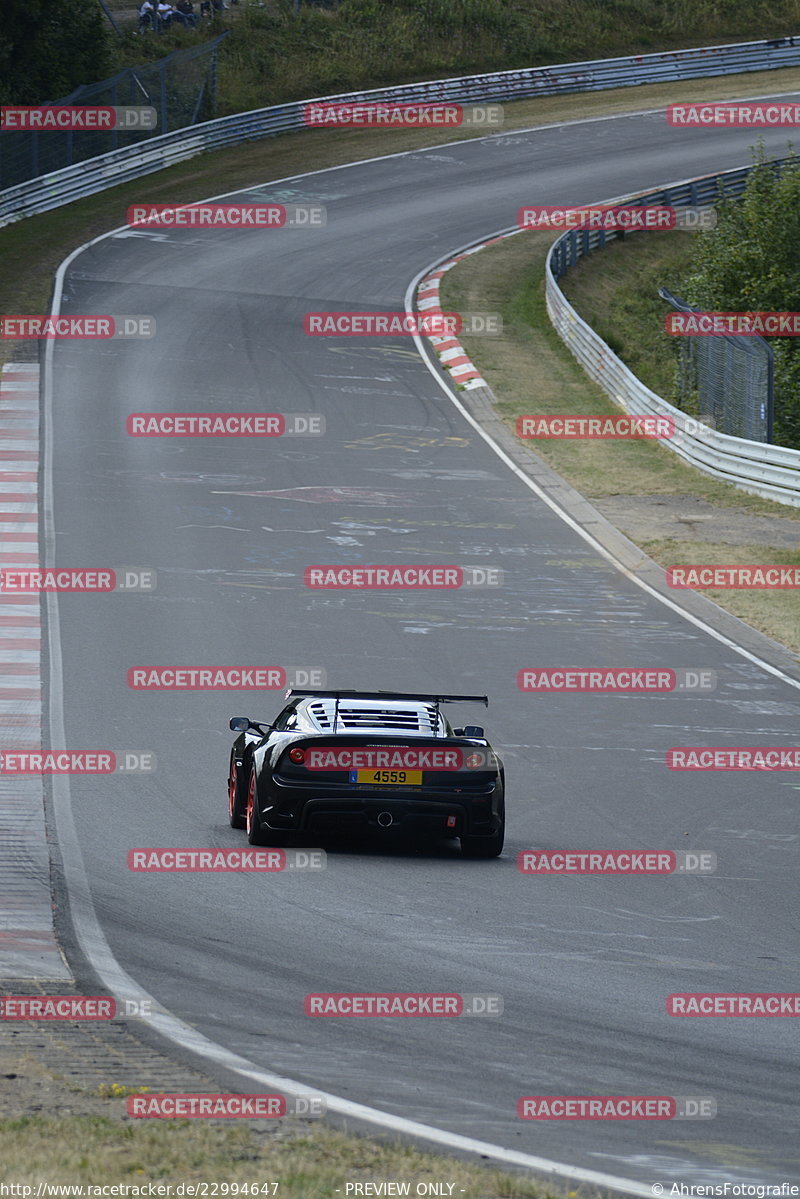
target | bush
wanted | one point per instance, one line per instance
(751, 263)
(48, 48)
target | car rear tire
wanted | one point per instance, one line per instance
(236, 795)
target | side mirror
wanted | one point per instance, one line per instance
(473, 730)
(458, 732)
(239, 724)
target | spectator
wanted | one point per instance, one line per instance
(146, 14)
(184, 13)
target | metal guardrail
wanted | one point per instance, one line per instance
(132, 162)
(765, 470)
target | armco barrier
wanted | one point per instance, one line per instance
(765, 470)
(97, 174)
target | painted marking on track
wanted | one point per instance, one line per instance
(28, 946)
(396, 441)
(330, 495)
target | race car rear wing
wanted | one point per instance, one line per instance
(337, 696)
(402, 695)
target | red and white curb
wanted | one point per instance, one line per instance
(449, 349)
(28, 946)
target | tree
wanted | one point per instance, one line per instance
(751, 263)
(50, 47)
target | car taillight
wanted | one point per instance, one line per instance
(475, 761)
(297, 755)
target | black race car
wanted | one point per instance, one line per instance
(338, 762)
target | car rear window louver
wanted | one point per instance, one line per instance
(415, 720)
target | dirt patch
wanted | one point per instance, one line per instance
(682, 517)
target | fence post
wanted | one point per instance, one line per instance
(114, 133)
(212, 80)
(163, 81)
(770, 393)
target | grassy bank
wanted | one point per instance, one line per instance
(307, 1165)
(273, 54)
(675, 513)
(616, 292)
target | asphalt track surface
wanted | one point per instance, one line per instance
(584, 964)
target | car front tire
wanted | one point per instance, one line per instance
(236, 795)
(255, 835)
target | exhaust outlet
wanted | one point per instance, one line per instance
(385, 819)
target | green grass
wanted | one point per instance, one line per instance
(616, 292)
(308, 1164)
(273, 55)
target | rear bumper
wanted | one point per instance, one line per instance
(384, 815)
(384, 812)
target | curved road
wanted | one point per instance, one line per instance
(584, 964)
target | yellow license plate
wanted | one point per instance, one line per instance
(387, 778)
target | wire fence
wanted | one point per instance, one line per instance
(730, 380)
(181, 88)
(754, 466)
